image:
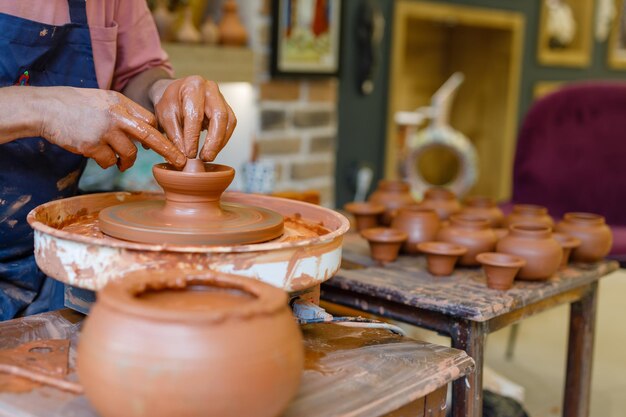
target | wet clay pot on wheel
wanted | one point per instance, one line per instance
(568, 243)
(472, 232)
(500, 269)
(441, 256)
(366, 214)
(595, 236)
(484, 207)
(384, 243)
(393, 195)
(529, 214)
(536, 245)
(443, 201)
(176, 343)
(420, 224)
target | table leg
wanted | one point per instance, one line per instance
(467, 393)
(582, 325)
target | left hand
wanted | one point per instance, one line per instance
(185, 107)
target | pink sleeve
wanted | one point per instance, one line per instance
(138, 44)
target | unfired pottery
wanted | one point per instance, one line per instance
(595, 236)
(392, 194)
(568, 243)
(182, 343)
(442, 200)
(367, 215)
(441, 256)
(484, 207)
(536, 245)
(420, 224)
(384, 243)
(500, 269)
(472, 232)
(529, 214)
(232, 31)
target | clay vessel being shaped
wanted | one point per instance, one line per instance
(367, 215)
(500, 269)
(232, 31)
(471, 232)
(568, 243)
(484, 207)
(182, 343)
(536, 245)
(419, 223)
(441, 256)
(595, 236)
(529, 214)
(442, 200)
(384, 243)
(393, 195)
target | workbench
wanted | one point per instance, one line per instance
(462, 307)
(360, 372)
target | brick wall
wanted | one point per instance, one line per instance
(297, 120)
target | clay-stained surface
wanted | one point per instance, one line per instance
(464, 294)
(349, 372)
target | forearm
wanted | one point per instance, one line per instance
(138, 88)
(21, 112)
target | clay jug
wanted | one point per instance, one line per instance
(472, 232)
(595, 236)
(420, 224)
(232, 31)
(529, 214)
(187, 32)
(443, 201)
(210, 32)
(392, 194)
(536, 245)
(196, 344)
(484, 207)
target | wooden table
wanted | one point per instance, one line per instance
(348, 372)
(463, 308)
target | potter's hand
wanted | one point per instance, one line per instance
(189, 105)
(101, 125)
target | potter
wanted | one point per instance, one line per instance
(104, 83)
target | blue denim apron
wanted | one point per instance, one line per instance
(32, 170)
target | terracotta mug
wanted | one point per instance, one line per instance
(420, 224)
(486, 207)
(472, 232)
(442, 200)
(392, 194)
(595, 236)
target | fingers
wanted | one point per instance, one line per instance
(138, 111)
(104, 156)
(168, 119)
(193, 97)
(123, 147)
(216, 110)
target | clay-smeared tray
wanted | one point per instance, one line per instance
(70, 247)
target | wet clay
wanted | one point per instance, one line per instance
(191, 213)
(500, 269)
(241, 357)
(441, 256)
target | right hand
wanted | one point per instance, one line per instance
(102, 125)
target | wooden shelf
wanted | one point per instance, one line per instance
(221, 64)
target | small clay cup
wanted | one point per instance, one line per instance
(471, 232)
(384, 243)
(595, 236)
(420, 224)
(536, 245)
(529, 214)
(568, 243)
(366, 214)
(393, 194)
(500, 269)
(441, 256)
(442, 200)
(486, 207)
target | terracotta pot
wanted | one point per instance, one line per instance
(232, 31)
(420, 224)
(500, 269)
(484, 207)
(393, 195)
(366, 214)
(472, 232)
(595, 236)
(536, 245)
(500, 232)
(441, 256)
(384, 243)
(443, 201)
(568, 243)
(529, 214)
(176, 343)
